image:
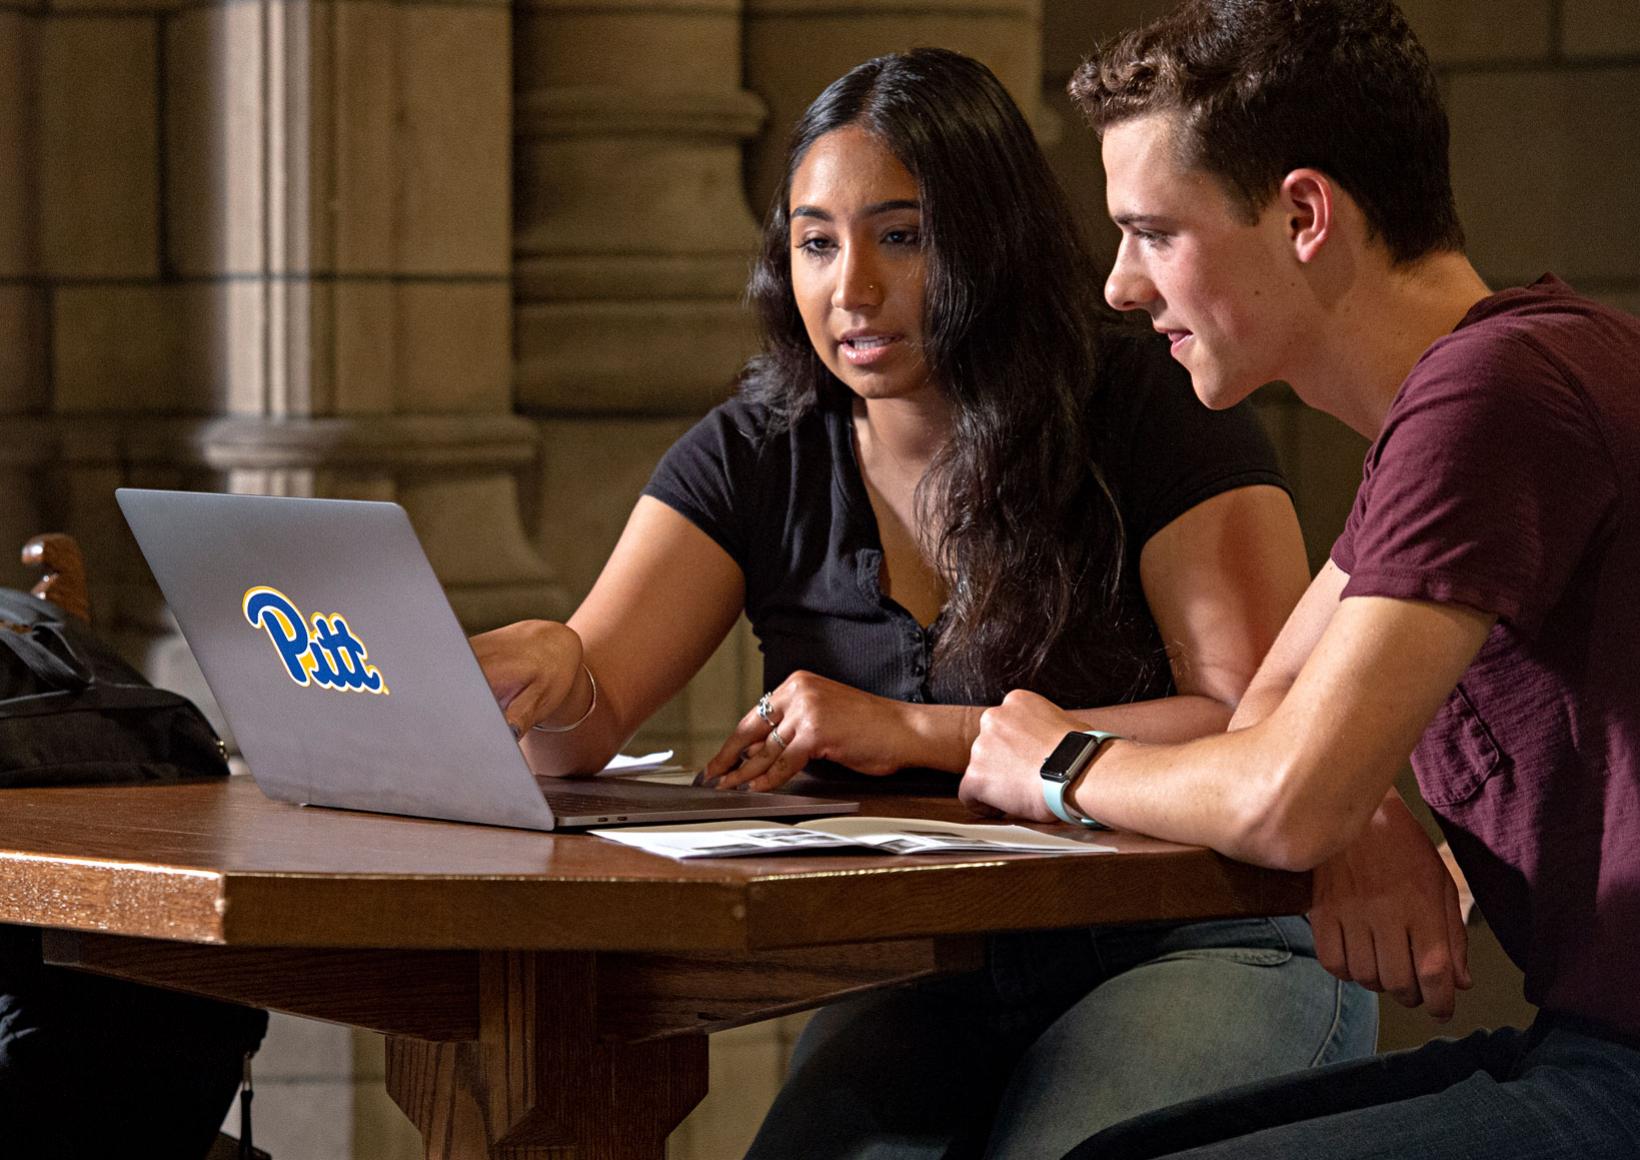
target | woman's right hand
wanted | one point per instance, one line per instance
(533, 668)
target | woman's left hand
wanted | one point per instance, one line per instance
(812, 718)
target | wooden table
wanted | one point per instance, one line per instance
(544, 995)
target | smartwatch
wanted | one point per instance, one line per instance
(1064, 765)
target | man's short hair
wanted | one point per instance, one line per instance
(1263, 87)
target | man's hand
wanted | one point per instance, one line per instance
(1385, 913)
(1003, 766)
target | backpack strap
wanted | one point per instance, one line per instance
(59, 668)
(102, 695)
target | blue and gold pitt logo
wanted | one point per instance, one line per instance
(328, 655)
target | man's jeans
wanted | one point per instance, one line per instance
(1063, 1032)
(1554, 1091)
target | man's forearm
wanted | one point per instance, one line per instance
(1299, 785)
(1227, 791)
(1164, 719)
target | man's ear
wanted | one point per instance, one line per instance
(1308, 201)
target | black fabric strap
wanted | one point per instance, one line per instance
(59, 668)
(105, 695)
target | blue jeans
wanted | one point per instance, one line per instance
(1062, 1033)
(1555, 1091)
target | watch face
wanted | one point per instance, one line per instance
(1068, 756)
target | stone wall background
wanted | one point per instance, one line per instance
(485, 258)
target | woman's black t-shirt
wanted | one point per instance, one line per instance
(792, 510)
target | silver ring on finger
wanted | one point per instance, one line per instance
(765, 709)
(774, 735)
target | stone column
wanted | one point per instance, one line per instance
(795, 48)
(275, 243)
(25, 446)
(632, 235)
(263, 247)
(377, 233)
(631, 247)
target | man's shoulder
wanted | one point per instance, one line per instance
(1546, 323)
(1545, 303)
(1529, 355)
(1500, 460)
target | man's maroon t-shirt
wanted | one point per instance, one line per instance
(1506, 479)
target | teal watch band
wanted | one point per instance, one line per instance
(1064, 765)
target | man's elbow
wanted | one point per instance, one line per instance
(1288, 824)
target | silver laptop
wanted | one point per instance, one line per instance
(348, 682)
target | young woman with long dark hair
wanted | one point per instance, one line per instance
(949, 474)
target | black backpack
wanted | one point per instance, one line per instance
(73, 713)
(92, 1067)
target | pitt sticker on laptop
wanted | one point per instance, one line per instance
(329, 655)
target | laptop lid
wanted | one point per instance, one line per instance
(336, 658)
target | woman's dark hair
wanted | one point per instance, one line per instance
(1025, 530)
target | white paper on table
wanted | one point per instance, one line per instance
(652, 767)
(637, 762)
(733, 839)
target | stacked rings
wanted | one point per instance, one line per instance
(765, 710)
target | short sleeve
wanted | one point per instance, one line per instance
(1486, 487)
(1165, 452)
(709, 475)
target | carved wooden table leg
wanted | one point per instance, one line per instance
(540, 1083)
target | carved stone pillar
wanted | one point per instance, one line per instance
(795, 48)
(632, 242)
(275, 245)
(24, 441)
(632, 233)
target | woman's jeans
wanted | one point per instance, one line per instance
(1556, 1091)
(1061, 1034)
